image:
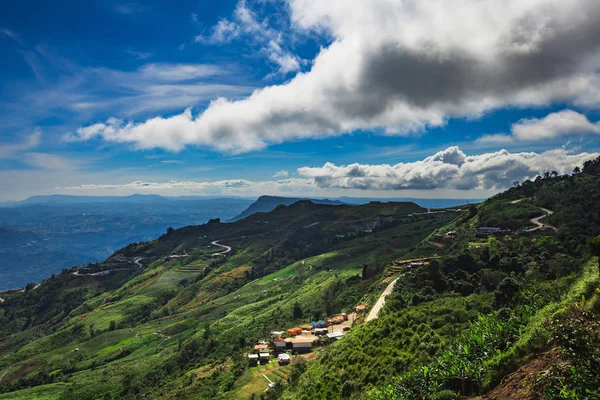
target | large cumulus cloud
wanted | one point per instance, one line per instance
(447, 169)
(399, 67)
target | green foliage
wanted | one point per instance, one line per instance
(507, 215)
(576, 333)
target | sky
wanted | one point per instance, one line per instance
(379, 98)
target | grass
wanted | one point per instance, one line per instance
(46, 392)
(534, 336)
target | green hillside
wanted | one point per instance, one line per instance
(176, 317)
(208, 307)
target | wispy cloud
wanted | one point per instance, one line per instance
(139, 55)
(12, 150)
(281, 174)
(11, 34)
(34, 64)
(180, 162)
(130, 8)
(86, 93)
(22, 151)
(245, 24)
(48, 161)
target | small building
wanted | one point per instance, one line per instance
(345, 316)
(322, 324)
(264, 357)
(253, 359)
(280, 346)
(302, 345)
(360, 308)
(294, 331)
(284, 359)
(321, 331)
(335, 335)
(261, 348)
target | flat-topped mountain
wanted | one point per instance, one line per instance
(268, 203)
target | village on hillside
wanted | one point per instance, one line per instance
(301, 340)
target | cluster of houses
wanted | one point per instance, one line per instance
(262, 351)
(300, 340)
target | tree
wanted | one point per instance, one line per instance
(554, 174)
(472, 210)
(516, 183)
(594, 246)
(576, 170)
(112, 326)
(506, 291)
(546, 175)
(297, 312)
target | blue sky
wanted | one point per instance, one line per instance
(112, 97)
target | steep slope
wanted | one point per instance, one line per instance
(269, 203)
(462, 323)
(172, 317)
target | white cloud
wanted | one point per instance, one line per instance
(400, 67)
(447, 169)
(222, 33)
(281, 174)
(562, 123)
(553, 125)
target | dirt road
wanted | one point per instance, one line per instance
(381, 301)
(541, 225)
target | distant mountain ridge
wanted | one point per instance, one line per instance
(61, 199)
(269, 203)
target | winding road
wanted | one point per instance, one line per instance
(536, 221)
(541, 225)
(227, 248)
(377, 307)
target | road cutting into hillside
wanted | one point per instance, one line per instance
(377, 307)
(541, 225)
(6, 372)
(536, 221)
(227, 248)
